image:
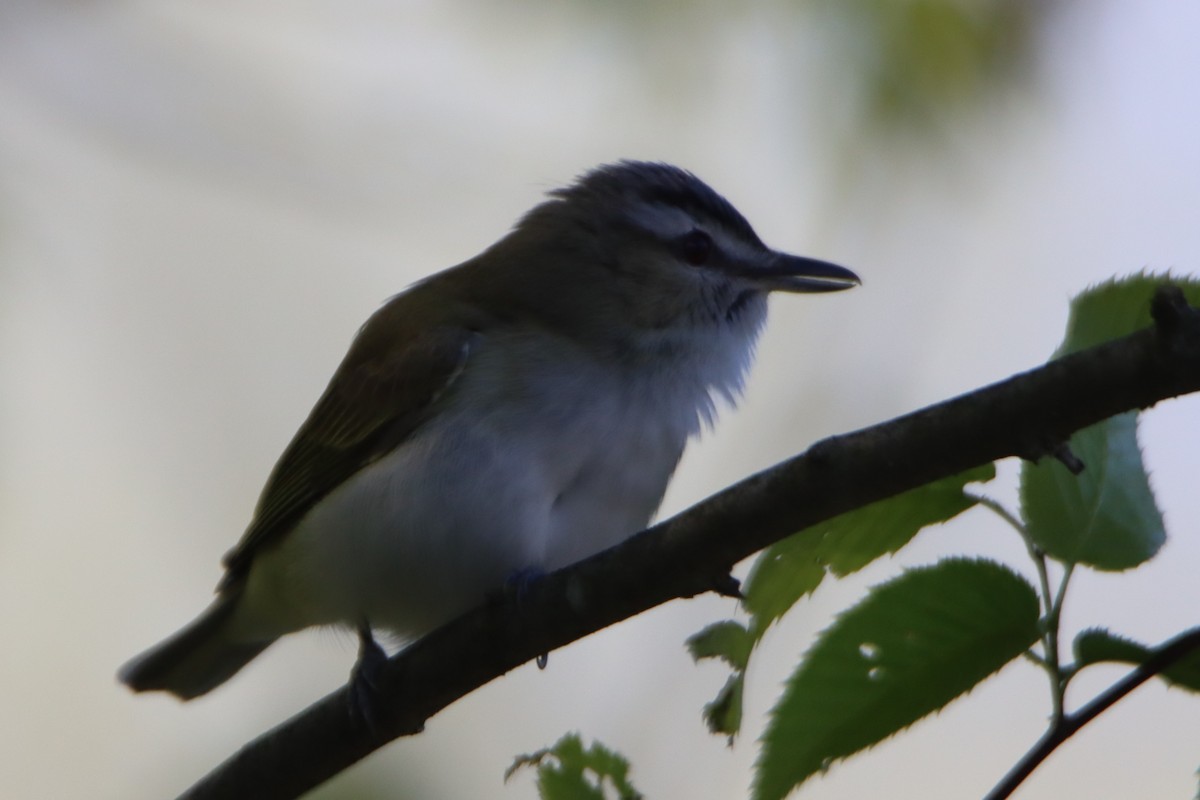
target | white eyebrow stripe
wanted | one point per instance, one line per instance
(662, 220)
(737, 248)
(666, 222)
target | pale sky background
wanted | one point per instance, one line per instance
(201, 201)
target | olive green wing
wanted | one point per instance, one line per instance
(380, 394)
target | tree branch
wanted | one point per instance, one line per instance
(1028, 415)
(1065, 727)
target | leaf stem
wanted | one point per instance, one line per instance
(1068, 570)
(1058, 677)
(1052, 603)
(1034, 658)
(1035, 553)
(1001, 510)
(1065, 727)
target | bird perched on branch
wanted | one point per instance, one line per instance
(508, 416)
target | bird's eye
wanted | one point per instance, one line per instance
(695, 247)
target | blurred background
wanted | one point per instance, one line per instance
(201, 201)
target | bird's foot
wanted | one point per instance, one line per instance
(518, 585)
(365, 694)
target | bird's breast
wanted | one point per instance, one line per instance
(599, 436)
(540, 454)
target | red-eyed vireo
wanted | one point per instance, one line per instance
(513, 414)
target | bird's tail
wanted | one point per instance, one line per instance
(196, 659)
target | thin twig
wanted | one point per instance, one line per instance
(1161, 659)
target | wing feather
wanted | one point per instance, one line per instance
(381, 393)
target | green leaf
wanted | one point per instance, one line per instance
(731, 642)
(1104, 517)
(792, 568)
(781, 575)
(1097, 645)
(1117, 308)
(563, 771)
(910, 647)
(723, 715)
(863, 535)
(727, 640)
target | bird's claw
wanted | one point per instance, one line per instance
(365, 695)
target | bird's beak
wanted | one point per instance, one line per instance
(784, 273)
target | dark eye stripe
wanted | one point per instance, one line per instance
(695, 247)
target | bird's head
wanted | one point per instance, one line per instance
(637, 248)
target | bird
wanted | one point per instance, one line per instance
(505, 417)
